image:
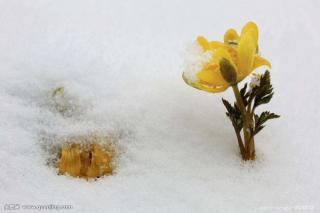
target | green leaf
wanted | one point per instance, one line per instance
(244, 94)
(263, 93)
(261, 119)
(234, 114)
(227, 105)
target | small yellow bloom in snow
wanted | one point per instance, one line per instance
(230, 61)
(91, 162)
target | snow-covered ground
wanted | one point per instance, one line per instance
(121, 63)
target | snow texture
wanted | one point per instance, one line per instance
(120, 63)
(195, 60)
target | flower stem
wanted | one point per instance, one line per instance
(247, 120)
(240, 142)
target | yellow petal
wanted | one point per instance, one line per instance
(246, 52)
(203, 42)
(207, 75)
(251, 28)
(70, 160)
(85, 157)
(230, 35)
(206, 45)
(211, 76)
(260, 61)
(100, 162)
(216, 45)
(220, 53)
(234, 54)
(93, 170)
(212, 89)
(204, 87)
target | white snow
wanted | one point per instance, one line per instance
(195, 58)
(121, 64)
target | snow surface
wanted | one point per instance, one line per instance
(121, 64)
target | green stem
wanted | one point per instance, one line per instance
(240, 142)
(248, 140)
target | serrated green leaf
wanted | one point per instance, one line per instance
(244, 94)
(234, 114)
(259, 120)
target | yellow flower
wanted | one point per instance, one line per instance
(229, 62)
(83, 162)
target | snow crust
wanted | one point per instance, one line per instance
(120, 63)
